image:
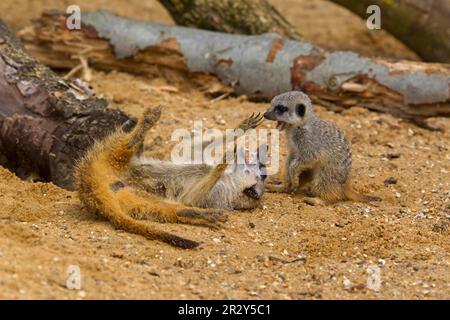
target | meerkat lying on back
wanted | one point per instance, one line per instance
(112, 182)
(236, 186)
(320, 158)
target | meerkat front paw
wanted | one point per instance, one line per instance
(251, 122)
(312, 201)
(275, 188)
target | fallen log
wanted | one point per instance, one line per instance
(231, 16)
(258, 66)
(46, 123)
(424, 26)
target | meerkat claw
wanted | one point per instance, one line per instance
(252, 122)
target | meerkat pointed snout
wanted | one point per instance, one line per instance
(320, 158)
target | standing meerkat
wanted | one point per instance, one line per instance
(112, 182)
(319, 158)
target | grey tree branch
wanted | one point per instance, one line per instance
(258, 66)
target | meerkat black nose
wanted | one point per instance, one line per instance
(252, 193)
(268, 116)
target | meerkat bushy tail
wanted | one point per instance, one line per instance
(98, 177)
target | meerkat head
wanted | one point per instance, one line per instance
(249, 180)
(291, 108)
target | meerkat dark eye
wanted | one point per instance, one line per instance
(300, 109)
(281, 109)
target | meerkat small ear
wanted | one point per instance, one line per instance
(300, 109)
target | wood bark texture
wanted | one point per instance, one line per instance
(423, 26)
(46, 123)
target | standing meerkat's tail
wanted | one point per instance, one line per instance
(352, 195)
(101, 188)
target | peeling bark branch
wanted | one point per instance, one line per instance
(45, 123)
(424, 26)
(258, 66)
(230, 16)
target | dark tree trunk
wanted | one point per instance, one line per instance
(45, 123)
(423, 26)
(230, 16)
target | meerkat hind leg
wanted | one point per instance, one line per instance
(114, 212)
(154, 208)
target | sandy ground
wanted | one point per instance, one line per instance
(285, 250)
